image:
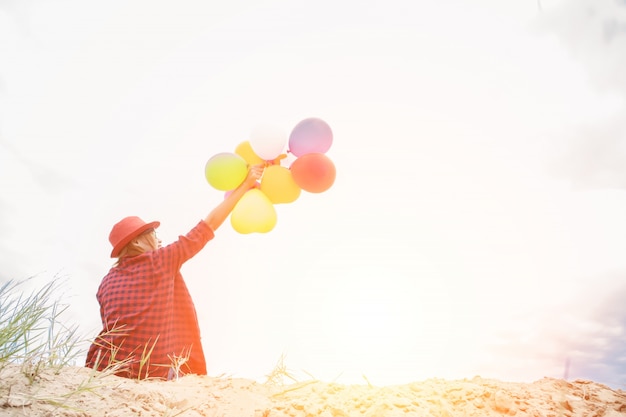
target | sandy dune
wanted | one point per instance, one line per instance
(78, 391)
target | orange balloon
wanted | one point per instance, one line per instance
(278, 185)
(313, 172)
(244, 149)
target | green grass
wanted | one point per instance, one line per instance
(31, 331)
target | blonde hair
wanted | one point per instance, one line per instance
(131, 249)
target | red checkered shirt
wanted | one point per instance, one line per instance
(148, 314)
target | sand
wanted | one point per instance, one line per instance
(76, 391)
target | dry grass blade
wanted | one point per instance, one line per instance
(294, 387)
(279, 373)
(177, 361)
(145, 359)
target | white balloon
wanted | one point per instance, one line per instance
(267, 141)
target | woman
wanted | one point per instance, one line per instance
(150, 328)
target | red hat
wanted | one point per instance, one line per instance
(126, 230)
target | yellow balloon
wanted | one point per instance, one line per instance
(278, 185)
(244, 149)
(254, 212)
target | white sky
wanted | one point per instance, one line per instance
(475, 226)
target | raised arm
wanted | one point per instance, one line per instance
(217, 216)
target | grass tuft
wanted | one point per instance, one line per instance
(280, 372)
(31, 333)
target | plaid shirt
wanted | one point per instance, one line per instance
(148, 314)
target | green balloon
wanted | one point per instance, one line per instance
(226, 171)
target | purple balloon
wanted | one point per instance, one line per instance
(311, 135)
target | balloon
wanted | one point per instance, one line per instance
(225, 171)
(311, 135)
(267, 141)
(244, 149)
(278, 185)
(313, 172)
(254, 212)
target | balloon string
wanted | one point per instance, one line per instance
(275, 161)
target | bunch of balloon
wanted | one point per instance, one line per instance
(284, 177)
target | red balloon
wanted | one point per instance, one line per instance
(313, 172)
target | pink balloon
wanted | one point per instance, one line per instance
(311, 135)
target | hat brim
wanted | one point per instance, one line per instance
(126, 240)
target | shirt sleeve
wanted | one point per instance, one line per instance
(187, 246)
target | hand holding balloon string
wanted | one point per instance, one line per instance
(255, 173)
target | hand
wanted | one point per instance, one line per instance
(254, 174)
(217, 216)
